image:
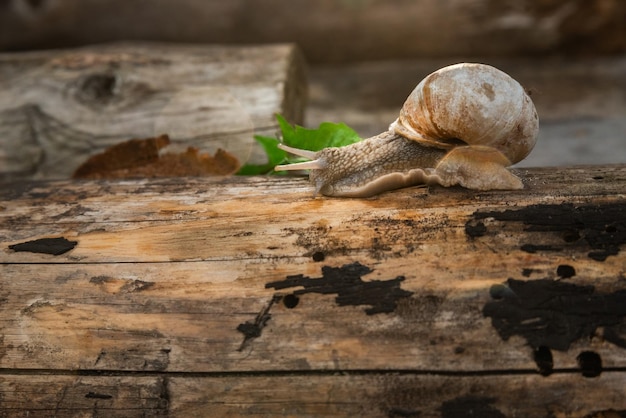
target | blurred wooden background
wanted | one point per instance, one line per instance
(328, 31)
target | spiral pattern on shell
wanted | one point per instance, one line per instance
(474, 103)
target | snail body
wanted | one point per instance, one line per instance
(462, 125)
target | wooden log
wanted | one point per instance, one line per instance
(59, 107)
(327, 30)
(246, 296)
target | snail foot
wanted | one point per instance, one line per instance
(477, 167)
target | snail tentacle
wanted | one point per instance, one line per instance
(304, 165)
(314, 164)
(311, 155)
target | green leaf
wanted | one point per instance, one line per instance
(326, 135)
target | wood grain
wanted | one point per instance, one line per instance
(250, 296)
(59, 107)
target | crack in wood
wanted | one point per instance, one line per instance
(253, 329)
(94, 395)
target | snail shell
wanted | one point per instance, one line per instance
(475, 103)
(461, 125)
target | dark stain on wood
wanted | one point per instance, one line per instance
(75, 211)
(405, 234)
(609, 413)
(449, 397)
(402, 397)
(565, 271)
(590, 363)
(136, 286)
(422, 308)
(33, 307)
(93, 395)
(381, 295)
(318, 256)
(253, 329)
(403, 413)
(164, 394)
(555, 314)
(101, 279)
(544, 360)
(140, 357)
(533, 248)
(318, 239)
(470, 406)
(54, 246)
(390, 237)
(129, 286)
(475, 229)
(602, 228)
(396, 237)
(603, 414)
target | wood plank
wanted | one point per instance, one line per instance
(313, 395)
(58, 107)
(255, 274)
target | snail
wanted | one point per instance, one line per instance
(462, 125)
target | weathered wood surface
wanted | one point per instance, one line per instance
(329, 30)
(58, 107)
(247, 296)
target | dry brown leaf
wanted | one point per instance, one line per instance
(140, 158)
